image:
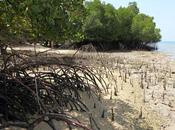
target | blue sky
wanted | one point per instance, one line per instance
(163, 12)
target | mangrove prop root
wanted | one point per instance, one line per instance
(30, 95)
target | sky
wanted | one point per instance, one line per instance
(163, 12)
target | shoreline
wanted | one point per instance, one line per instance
(131, 99)
(160, 104)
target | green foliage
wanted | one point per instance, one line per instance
(60, 20)
(101, 22)
(13, 22)
(125, 15)
(54, 20)
(144, 29)
(125, 25)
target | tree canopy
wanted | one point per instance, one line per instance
(125, 25)
(101, 22)
(53, 20)
(77, 20)
(144, 29)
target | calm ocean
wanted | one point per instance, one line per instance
(167, 47)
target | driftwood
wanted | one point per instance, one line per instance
(30, 95)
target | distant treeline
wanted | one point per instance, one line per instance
(122, 28)
(79, 22)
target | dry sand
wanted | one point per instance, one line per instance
(144, 83)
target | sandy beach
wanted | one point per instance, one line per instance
(145, 85)
(140, 93)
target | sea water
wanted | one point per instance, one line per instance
(167, 48)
